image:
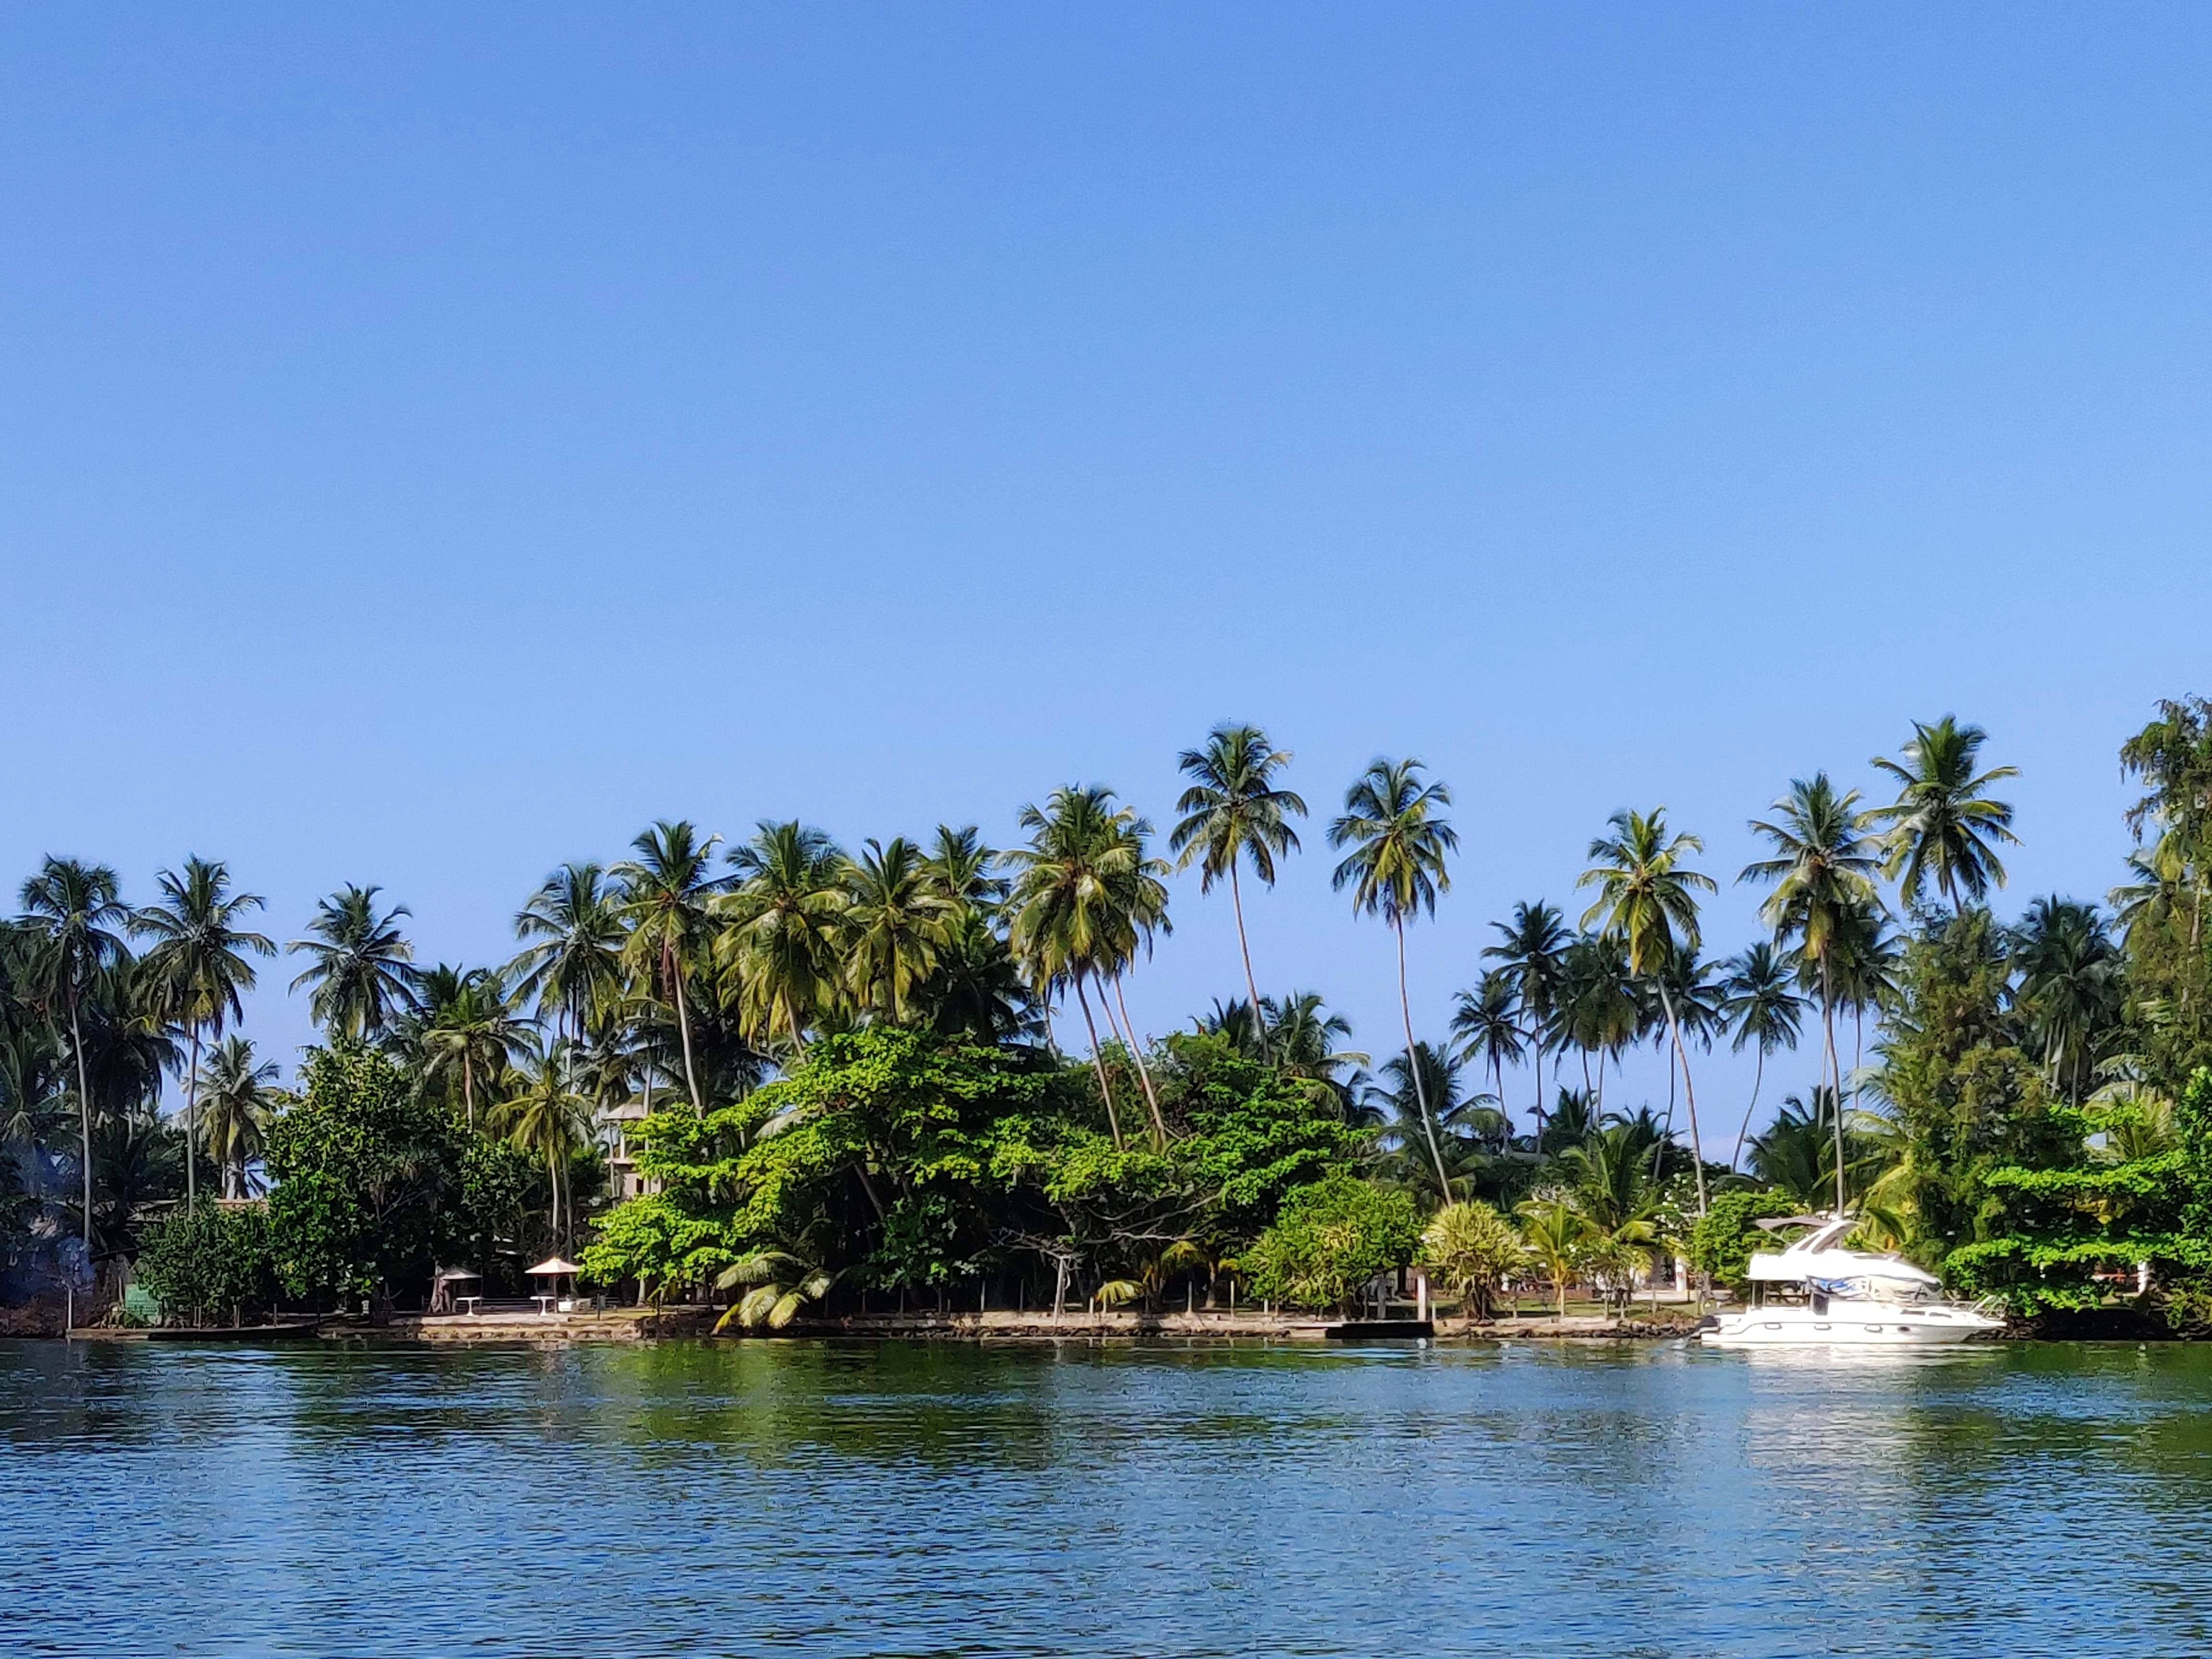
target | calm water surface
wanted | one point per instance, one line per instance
(688, 1498)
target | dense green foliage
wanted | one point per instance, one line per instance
(217, 1261)
(1330, 1240)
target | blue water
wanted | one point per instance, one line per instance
(772, 1497)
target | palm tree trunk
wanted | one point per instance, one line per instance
(191, 1126)
(1244, 944)
(684, 1027)
(1098, 1064)
(1143, 1072)
(1689, 1093)
(469, 1086)
(1758, 1078)
(1836, 1081)
(83, 1118)
(1413, 1065)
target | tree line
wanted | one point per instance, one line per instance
(834, 1069)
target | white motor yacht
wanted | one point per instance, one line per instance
(1815, 1291)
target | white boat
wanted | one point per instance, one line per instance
(1815, 1292)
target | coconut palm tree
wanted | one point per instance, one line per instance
(1070, 903)
(1484, 1022)
(549, 1116)
(783, 916)
(1822, 872)
(1232, 812)
(1140, 903)
(571, 961)
(1414, 1095)
(469, 1031)
(664, 894)
(75, 916)
(2069, 986)
(1397, 845)
(1759, 1008)
(1602, 1010)
(965, 871)
(197, 969)
(361, 967)
(1647, 901)
(237, 1101)
(1530, 954)
(1944, 822)
(895, 925)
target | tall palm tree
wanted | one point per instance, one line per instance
(1529, 954)
(198, 968)
(1067, 902)
(472, 1031)
(1822, 871)
(571, 961)
(1944, 822)
(549, 1116)
(1484, 1023)
(665, 893)
(1760, 1008)
(1601, 1009)
(1399, 844)
(237, 1101)
(896, 925)
(1231, 812)
(1140, 905)
(74, 915)
(361, 967)
(966, 870)
(1647, 900)
(1416, 1089)
(783, 917)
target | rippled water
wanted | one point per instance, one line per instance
(687, 1498)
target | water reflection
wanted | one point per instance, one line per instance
(914, 1498)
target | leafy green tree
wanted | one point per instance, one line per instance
(1763, 1013)
(664, 894)
(1722, 1240)
(360, 966)
(1330, 1240)
(1647, 901)
(1944, 822)
(365, 1171)
(1233, 812)
(1822, 873)
(75, 914)
(197, 968)
(1397, 845)
(1467, 1247)
(237, 1100)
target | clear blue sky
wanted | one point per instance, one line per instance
(431, 449)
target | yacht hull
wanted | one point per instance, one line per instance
(1859, 1329)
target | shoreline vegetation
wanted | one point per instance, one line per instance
(781, 1085)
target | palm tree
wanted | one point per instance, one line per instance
(1943, 820)
(1420, 1089)
(1601, 1008)
(1822, 871)
(75, 914)
(783, 916)
(1233, 811)
(895, 926)
(571, 961)
(1760, 1008)
(2070, 987)
(1483, 1024)
(1554, 1231)
(363, 969)
(1140, 904)
(198, 968)
(1530, 955)
(1399, 844)
(471, 1029)
(1646, 900)
(965, 870)
(236, 1105)
(664, 892)
(1068, 899)
(548, 1114)
(778, 1284)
